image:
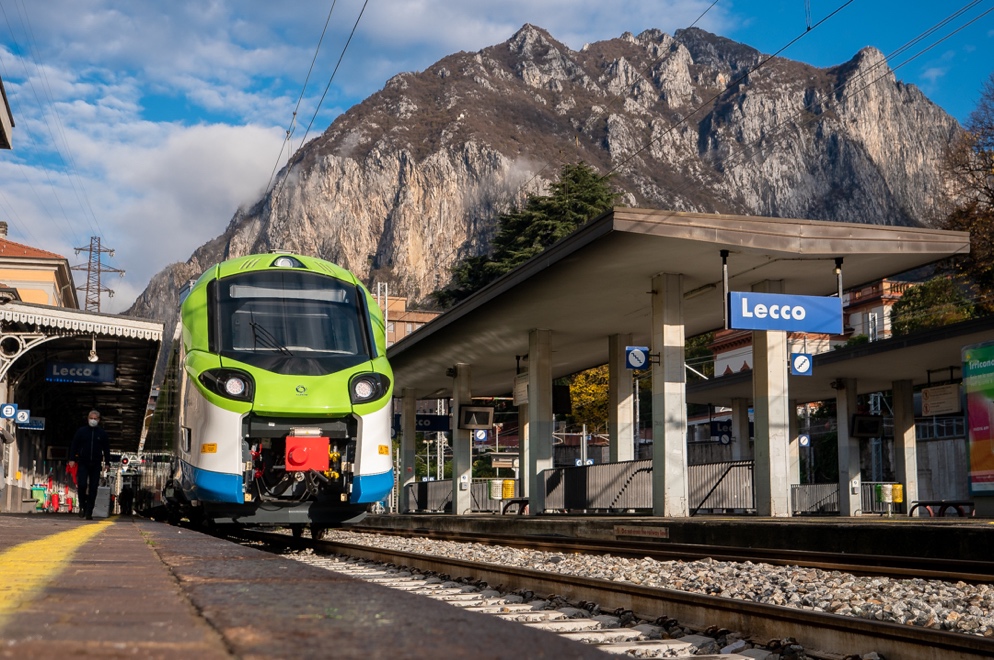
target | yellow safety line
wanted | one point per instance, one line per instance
(27, 568)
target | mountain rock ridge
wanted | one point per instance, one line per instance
(413, 178)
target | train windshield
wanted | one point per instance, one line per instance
(290, 322)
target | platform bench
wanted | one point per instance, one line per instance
(520, 502)
(938, 508)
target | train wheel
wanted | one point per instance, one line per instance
(317, 532)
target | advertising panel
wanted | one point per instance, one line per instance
(978, 381)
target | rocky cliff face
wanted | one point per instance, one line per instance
(412, 178)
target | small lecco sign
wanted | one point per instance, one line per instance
(80, 372)
(777, 311)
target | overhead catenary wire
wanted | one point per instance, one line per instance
(776, 132)
(317, 109)
(60, 148)
(303, 89)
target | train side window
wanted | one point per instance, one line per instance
(212, 327)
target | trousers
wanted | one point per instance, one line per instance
(87, 482)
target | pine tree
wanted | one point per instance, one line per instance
(579, 195)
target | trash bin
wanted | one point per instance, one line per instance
(898, 493)
(508, 489)
(496, 489)
(40, 494)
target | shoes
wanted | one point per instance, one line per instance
(82, 514)
(89, 516)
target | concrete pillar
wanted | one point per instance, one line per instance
(905, 440)
(669, 399)
(740, 430)
(540, 422)
(524, 471)
(462, 444)
(620, 413)
(408, 448)
(771, 422)
(849, 476)
(794, 462)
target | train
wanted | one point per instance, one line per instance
(284, 396)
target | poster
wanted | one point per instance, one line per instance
(978, 381)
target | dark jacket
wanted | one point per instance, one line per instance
(88, 446)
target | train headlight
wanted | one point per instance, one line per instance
(229, 383)
(366, 387)
(287, 262)
(235, 386)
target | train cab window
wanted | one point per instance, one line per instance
(290, 322)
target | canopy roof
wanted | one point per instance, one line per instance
(37, 336)
(596, 282)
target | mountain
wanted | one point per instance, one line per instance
(408, 181)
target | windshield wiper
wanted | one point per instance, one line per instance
(267, 339)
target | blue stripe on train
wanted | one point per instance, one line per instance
(209, 486)
(371, 487)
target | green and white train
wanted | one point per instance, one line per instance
(285, 394)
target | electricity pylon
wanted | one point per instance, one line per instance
(94, 268)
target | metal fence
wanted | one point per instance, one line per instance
(608, 487)
(624, 487)
(814, 499)
(818, 499)
(721, 487)
(436, 496)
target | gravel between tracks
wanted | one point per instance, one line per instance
(957, 607)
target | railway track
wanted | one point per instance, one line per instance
(893, 566)
(822, 635)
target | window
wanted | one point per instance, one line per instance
(290, 322)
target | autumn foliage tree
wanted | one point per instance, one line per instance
(970, 162)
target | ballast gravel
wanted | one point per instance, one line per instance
(957, 607)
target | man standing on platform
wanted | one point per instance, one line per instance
(89, 445)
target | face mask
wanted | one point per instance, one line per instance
(94, 422)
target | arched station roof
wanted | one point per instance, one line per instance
(34, 337)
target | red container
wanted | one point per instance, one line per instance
(304, 454)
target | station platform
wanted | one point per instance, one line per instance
(130, 587)
(899, 536)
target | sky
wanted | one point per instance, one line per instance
(148, 124)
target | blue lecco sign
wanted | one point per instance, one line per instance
(777, 311)
(80, 372)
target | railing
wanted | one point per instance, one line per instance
(608, 487)
(721, 487)
(814, 499)
(868, 499)
(436, 496)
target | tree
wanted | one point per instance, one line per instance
(588, 391)
(934, 303)
(970, 163)
(579, 195)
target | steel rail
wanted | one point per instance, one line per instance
(816, 631)
(894, 566)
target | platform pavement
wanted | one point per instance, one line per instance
(126, 587)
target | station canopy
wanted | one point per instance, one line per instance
(45, 352)
(596, 282)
